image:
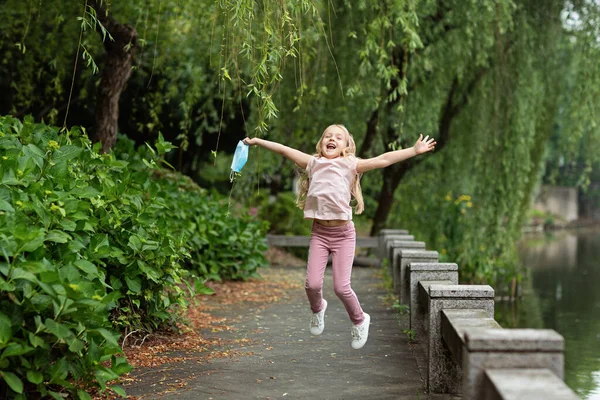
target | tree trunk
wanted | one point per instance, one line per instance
(115, 74)
(370, 135)
(392, 176)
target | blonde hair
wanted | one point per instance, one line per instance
(355, 189)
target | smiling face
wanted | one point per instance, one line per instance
(333, 142)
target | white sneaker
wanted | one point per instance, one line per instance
(317, 321)
(360, 333)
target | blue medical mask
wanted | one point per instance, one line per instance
(239, 159)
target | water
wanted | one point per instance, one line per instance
(562, 292)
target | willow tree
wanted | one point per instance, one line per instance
(488, 82)
(84, 62)
(486, 79)
(496, 155)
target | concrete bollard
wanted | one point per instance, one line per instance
(525, 383)
(508, 348)
(383, 235)
(426, 272)
(394, 251)
(400, 270)
(393, 232)
(393, 238)
(443, 373)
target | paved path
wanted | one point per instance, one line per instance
(286, 362)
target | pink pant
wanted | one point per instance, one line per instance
(340, 241)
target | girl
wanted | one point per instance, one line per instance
(332, 179)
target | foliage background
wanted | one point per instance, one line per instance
(507, 88)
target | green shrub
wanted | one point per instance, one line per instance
(284, 218)
(94, 244)
(220, 245)
(56, 240)
(283, 215)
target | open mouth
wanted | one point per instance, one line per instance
(331, 146)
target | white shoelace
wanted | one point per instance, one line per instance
(316, 319)
(356, 332)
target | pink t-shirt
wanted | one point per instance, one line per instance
(329, 183)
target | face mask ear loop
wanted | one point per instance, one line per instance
(231, 176)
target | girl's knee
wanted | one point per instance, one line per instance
(343, 291)
(313, 286)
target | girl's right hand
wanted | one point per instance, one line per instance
(251, 142)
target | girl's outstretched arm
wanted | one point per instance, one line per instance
(391, 157)
(299, 158)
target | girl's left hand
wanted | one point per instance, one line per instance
(424, 145)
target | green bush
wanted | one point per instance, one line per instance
(220, 245)
(283, 215)
(94, 244)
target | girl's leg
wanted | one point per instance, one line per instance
(342, 259)
(318, 252)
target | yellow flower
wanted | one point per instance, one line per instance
(48, 191)
(96, 297)
(461, 198)
(53, 144)
(19, 172)
(74, 286)
(448, 198)
(469, 204)
(54, 207)
(19, 203)
(4, 158)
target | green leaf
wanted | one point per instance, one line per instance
(83, 395)
(6, 206)
(163, 147)
(119, 390)
(134, 285)
(20, 273)
(59, 371)
(35, 153)
(36, 341)
(120, 365)
(98, 242)
(104, 375)
(201, 288)
(76, 346)
(68, 225)
(55, 395)
(135, 243)
(66, 153)
(151, 272)
(13, 381)
(87, 192)
(35, 377)
(15, 349)
(32, 238)
(57, 237)
(76, 245)
(5, 329)
(59, 170)
(57, 329)
(9, 178)
(110, 338)
(86, 267)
